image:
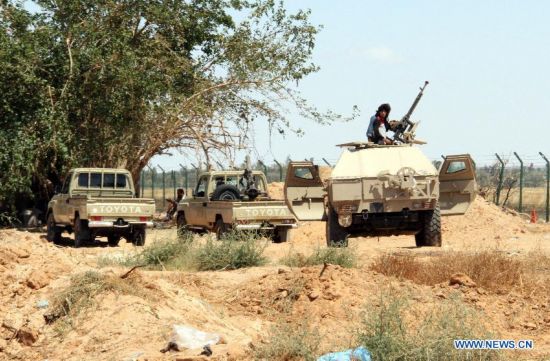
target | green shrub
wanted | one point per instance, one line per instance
(289, 342)
(230, 253)
(387, 335)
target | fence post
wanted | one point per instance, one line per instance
(327, 163)
(264, 166)
(142, 182)
(174, 184)
(280, 170)
(500, 177)
(547, 186)
(520, 208)
(184, 173)
(163, 187)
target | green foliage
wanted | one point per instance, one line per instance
(344, 257)
(230, 254)
(113, 83)
(388, 336)
(236, 250)
(289, 342)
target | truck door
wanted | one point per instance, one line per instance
(304, 193)
(61, 207)
(457, 184)
(196, 214)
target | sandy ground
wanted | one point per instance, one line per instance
(242, 305)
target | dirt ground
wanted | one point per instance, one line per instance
(242, 305)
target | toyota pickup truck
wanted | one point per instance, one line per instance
(225, 200)
(99, 202)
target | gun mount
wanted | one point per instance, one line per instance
(404, 129)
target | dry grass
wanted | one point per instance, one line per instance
(345, 257)
(492, 270)
(82, 294)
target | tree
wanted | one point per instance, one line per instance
(120, 81)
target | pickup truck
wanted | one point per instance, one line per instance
(99, 202)
(224, 200)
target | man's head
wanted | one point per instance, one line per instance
(383, 111)
(180, 192)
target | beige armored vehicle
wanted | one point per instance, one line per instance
(380, 190)
(225, 200)
(99, 202)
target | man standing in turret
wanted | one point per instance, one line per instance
(379, 125)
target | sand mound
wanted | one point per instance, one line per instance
(276, 190)
(482, 221)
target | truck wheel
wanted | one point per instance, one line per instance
(226, 192)
(430, 234)
(113, 240)
(81, 232)
(53, 232)
(336, 235)
(221, 229)
(181, 224)
(282, 234)
(138, 237)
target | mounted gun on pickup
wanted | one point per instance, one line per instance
(404, 130)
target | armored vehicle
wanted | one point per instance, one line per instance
(99, 202)
(381, 190)
(225, 200)
(384, 189)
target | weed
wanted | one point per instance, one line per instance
(229, 254)
(344, 257)
(289, 342)
(388, 336)
(81, 294)
(492, 270)
(236, 250)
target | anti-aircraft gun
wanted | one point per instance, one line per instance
(404, 130)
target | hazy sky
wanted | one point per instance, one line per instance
(488, 63)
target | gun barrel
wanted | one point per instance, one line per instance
(406, 117)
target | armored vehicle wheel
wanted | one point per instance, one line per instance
(81, 232)
(113, 240)
(181, 223)
(53, 232)
(430, 234)
(226, 192)
(138, 236)
(336, 235)
(282, 234)
(221, 229)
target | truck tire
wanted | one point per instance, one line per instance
(430, 233)
(282, 234)
(221, 229)
(138, 236)
(336, 235)
(113, 240)
(181, 223)
(81, 232)
(226, 192)
(53, 232)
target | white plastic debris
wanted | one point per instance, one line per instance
(189, 337)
